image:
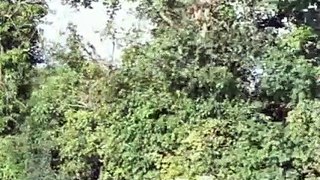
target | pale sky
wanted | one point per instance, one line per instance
(91, 24)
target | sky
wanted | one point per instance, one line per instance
(91, 24)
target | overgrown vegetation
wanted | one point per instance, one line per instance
(185, 105)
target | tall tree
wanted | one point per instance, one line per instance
(18, 35)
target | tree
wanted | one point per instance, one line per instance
(18, 35)
(187, 104)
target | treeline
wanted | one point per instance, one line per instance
(188, 104)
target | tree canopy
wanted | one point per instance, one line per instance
(212, 95)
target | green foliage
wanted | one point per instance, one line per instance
(303, 138)
(298, 36)
(12, 166)
(288, 78)
(17, 33)
(178, 107)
